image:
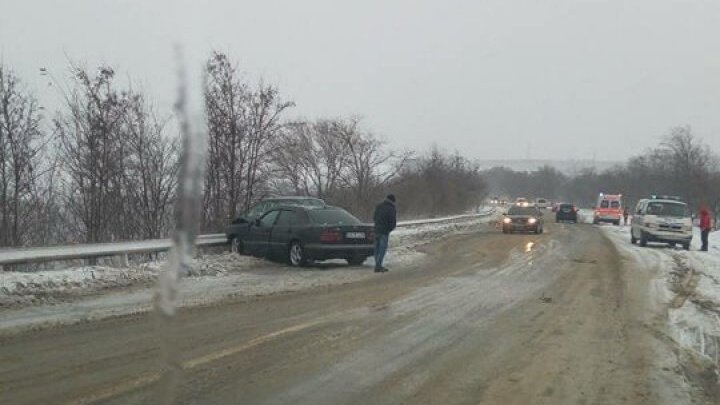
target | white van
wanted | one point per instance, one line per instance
(664, 220)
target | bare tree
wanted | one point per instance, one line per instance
(243, 123)
(92, 152)
(21, 143)
(370, 166)
(312, 157)
(150, 170)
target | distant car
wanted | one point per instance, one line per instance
(662, 219)
(301, 235)
(523, 218)
(542, 203)
(566, 212)
(521, 200)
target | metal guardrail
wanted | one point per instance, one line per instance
(86, 251)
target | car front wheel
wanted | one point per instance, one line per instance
(296, 255)
(236, 246)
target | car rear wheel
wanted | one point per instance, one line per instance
(633, 239)
(296, 255)
(686, 246)
(356, 260)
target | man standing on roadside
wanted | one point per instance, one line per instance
(705, 226)
(385, 220)
(626, 213)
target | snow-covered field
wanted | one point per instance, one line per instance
(93, 292)
(688, 284)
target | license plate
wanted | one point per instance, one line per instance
(355, 235)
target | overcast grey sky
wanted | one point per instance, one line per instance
(491, 78)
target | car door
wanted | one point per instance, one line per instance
(258, 240)
(282, 233)
(638, 219)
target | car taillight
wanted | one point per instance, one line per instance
(371, 235)
(330, 236)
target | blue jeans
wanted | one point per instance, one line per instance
(381, 245)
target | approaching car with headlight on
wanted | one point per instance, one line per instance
(523, 218)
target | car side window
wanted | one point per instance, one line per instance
(269, 219)
(286, 218)
(257, 210)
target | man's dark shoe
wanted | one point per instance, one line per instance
(378, 270)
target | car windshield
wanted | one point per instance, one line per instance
(667, 209)
(520, 210)
(333, 216)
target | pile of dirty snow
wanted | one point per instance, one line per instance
(691, 289)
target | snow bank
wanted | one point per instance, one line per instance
(690, 288)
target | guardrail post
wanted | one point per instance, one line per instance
(121, 260)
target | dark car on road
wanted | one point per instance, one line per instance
(566, 212)
(523, 218)
(301, 235)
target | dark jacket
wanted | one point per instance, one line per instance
(385, 218)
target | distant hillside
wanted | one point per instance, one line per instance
(565, 166)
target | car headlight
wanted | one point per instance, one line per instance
(532, 220)
(507, 220)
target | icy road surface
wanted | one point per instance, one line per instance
(477, 318)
